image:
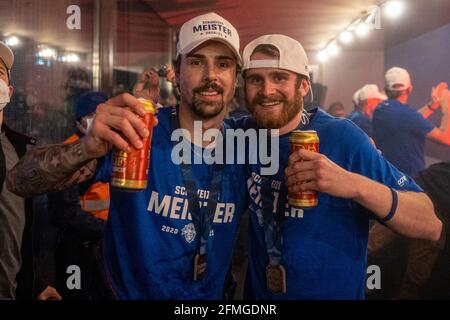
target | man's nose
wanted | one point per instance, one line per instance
(210, 73)
(267, 89)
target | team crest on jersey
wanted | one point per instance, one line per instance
(189, 232)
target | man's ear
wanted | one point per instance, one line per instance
(11, 91)
(177, 77)
(305, 85)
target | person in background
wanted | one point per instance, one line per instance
(336, 109)
(400, 131)
(79, 213)
(149, 86)
(16, 213)
(368, 97)
(420, 255)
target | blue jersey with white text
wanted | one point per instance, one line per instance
(324, 247)
(150, 239)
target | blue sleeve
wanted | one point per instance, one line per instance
(417, 124)
(244, 122)
(367, 161)
(104, 169)
(365, 125)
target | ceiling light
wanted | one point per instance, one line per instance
(346, 37)
(322, 56)
(362, 29)
(333, 49)
(393, 9)
(12, 41)
(70, 58)
(46, 52)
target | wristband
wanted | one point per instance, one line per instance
(393, 207)
(429, 104)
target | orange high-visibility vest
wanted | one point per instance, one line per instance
(96, 199)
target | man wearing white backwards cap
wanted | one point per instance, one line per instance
(159, 245)
(400, 131)
(317, 253)
(368, 97)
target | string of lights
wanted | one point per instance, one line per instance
(44, 52)
(361, 27)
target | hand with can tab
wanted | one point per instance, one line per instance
(170, 75)
(312, 171)
(147, 86)
(117, 122)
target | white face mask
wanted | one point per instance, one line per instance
(4, 94)
(88, 127)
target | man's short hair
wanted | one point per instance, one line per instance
(395, 94)
(177, 63)
(337, 105)
(268, 49)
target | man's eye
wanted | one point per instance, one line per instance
(254, 80)
(224, 64)
(195, 62)
(280, 77)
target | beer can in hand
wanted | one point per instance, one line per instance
(130, 169)
(309, 140)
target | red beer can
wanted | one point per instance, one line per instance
(309, 140)
(130, 169)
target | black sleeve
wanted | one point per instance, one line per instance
(435, 181)
(2, 168)
(44, 237)
(66, 213)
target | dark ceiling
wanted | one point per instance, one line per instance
(141, 25)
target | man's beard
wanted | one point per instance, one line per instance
(289, 111)
(206, 109)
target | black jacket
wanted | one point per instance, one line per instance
(26, 277)
(20, 143)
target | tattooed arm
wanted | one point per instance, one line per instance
(50, 168)
(56, 167)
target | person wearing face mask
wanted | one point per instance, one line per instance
(79, 213)
(13, 209)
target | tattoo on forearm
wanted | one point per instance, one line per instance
(50, 168)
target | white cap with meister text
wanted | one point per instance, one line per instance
(207, 27)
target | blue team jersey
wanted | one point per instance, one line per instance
(324, 248)
(150, 239)
(400, 133)
(361, 120)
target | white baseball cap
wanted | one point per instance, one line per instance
(207, 27)
(397, 79)
(7, 56)
(292, 55)
(370, 91)
(355, 97)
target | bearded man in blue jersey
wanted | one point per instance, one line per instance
(317, 253)
(159, 245)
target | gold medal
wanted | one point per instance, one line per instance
(199, 266)
(276, 279)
